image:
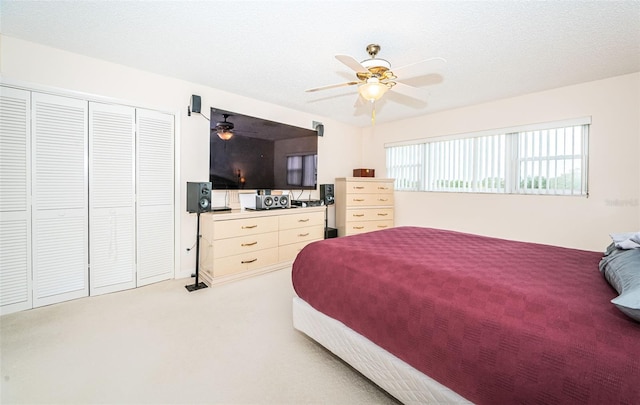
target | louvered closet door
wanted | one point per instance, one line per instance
(155, 205)
(15, 212)
(59, 197)
(111, 198)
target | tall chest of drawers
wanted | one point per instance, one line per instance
(242, 244)
(363, 204)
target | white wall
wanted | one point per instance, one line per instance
(613, 104)
(51, 69)
(614, 168)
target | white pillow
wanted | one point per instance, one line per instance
(626, 240)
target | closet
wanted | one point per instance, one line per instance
(86, 198)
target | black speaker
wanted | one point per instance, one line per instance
(198, 197)
(319, 127)
(195, 103)
(326, 194)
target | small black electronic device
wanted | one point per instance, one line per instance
(330, 233)
(268, 201)
(199, 197)
(307, 203)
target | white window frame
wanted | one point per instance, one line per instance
(502, 161)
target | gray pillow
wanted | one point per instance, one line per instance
(621, 268)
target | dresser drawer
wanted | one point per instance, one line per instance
(369, 214)
(244, 226)
(301, 220)
(353, 228)
(289, 252)
(369, 187)
(310, 233)
(361, 200)
(244, 244)
(244, 262)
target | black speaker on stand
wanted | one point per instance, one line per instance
(328, 198)
(198, 201)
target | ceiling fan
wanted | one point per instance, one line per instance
(224, 128)
(375, 76)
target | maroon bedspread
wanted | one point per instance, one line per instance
(498, 321)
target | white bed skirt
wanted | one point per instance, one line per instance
(399, 379)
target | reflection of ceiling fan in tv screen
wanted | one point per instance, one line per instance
(253, 153)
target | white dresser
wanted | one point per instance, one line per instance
(240, 244)
(363, 204)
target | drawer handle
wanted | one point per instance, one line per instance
(250, 243)
(382, 226)
(249, 226)
(358, 187)
(383, 188)
(248, 261)
(358, 199)
(303, 220)
(382, 214)
(358, 215)
(383, 199)
(303, 234)
(358, 227)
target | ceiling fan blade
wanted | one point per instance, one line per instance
(409, 91)
(419, 68)
(351, 63)
(331, 86)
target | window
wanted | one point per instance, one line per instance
(540, 159)
(301, 170)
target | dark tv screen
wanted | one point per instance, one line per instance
(261, 154)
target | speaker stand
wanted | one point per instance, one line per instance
(197, 285)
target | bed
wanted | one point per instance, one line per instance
(437, 316)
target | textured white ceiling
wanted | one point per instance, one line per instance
(274, 50)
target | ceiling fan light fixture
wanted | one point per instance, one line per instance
(224, 129)
(372, 90)
(224, 134)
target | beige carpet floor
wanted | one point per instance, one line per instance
(230, 344)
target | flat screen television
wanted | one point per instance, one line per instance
(261, 154)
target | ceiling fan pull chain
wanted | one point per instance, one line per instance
(373, 113)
